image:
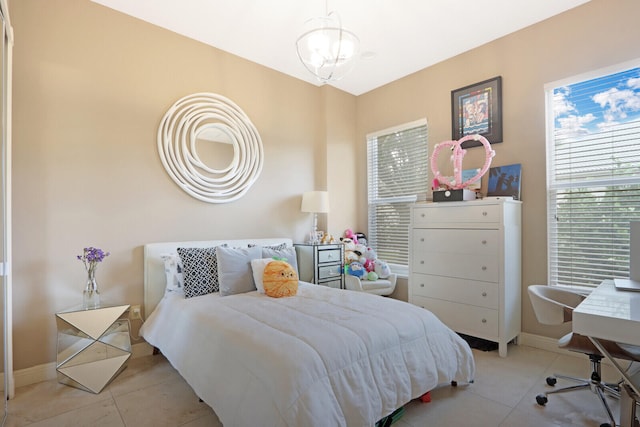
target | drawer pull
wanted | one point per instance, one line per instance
(422, 239)
(422, 285)
(484, 213)
(484, 294)
(484, 242)
(484, 320)
(422, 215)
(484, 268)
(421, 261)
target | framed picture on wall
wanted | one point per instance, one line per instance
(477, 109)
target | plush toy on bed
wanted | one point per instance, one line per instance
(280, 279)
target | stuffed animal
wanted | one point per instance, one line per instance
(280, 279)
(372, 276)
(370, 266)
(349, 234)
(350, 254)
(355, 269)
(382, 269)
(327, 238)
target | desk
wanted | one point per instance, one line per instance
(613, 315)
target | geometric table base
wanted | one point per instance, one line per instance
(94, 376)
(93, 346)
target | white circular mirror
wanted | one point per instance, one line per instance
(210, 148)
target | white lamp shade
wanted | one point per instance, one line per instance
(315, 201)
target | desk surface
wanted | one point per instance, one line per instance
(609, 314)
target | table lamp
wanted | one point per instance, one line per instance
(315, 202)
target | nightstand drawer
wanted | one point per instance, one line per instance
(329, 255)
(321, 264)
(332, 283)
(327, 271)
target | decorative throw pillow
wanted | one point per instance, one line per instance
(257, 267)
(277, 247)
(173, 271)
(287, 253)
(200, 270)
(234, 269)
(280, 279)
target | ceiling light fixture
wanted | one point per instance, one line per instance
(327, 50)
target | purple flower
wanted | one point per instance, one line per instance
(91, 257)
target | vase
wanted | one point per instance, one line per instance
(91, 295)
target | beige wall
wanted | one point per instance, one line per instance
(90, 88)
(596, 35)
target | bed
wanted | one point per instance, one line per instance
(322, 357)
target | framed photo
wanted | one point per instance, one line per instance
(477, 109)
(505, 181)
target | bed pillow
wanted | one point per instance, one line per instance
(280, 279)
(200, 270)
(234, 269)
(173, 271)
(280, 251)
(257, 268)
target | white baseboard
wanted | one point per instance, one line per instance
(47, 371)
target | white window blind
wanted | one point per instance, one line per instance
(593, 176)
(397, 174)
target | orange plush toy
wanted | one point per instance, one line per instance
(280, 279)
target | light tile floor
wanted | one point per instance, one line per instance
(149, 392)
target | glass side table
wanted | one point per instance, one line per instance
(94, 346)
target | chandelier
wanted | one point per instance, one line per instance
(327, 50)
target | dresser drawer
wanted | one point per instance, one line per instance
(329, 255)
(456, 241)
(467, 319)
(327, 271)
(466, 212)
(475, 267)
(481, 294)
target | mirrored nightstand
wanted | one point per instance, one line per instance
(94, 346)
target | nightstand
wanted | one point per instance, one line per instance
(94, 346)
(321, 264)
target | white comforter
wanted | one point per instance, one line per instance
(322, 358)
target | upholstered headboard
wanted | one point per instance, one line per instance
(154, 276)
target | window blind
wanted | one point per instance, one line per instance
(397, 165)
(593, 177)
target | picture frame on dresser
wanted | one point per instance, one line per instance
(505, 181)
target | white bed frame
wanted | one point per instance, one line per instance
(154, 276)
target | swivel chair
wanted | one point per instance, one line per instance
(554, 306)
(382, 287)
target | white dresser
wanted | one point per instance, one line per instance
(465, 266)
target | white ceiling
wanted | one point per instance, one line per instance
(398, 37)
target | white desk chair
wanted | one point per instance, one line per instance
(377, 287)
(554, 306)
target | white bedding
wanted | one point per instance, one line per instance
(325, 357)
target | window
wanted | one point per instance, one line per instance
(593, 175)
(397, 174)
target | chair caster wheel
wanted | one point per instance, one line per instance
(454, 383)
(541, 399)
(552, 381)
(605, 425)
